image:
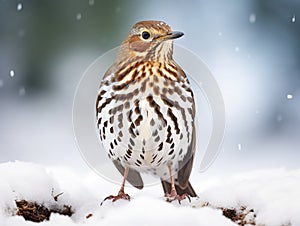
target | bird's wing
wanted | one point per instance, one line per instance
(134, 177)
(188, 190)
(186, 165)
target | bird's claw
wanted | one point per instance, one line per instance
(114, 198)
(171, 197)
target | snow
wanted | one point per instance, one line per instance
(19, 6)
(293, 19)
(289, 96)
(78, 16)
(239, 147)
(274, 195)
(156, 211)
(252, 18)
(12, 73)
(91, 2)
(22, 91)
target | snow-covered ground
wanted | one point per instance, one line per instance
(273, 194)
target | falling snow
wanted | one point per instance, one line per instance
(12, 73)
(289, 96)
(19, 6)
(91, 2)
(1, 83)
(293, 19)
(239, 147)
(78, 16)
(220, 33)
(22, 91)
(236, 49)
(252, 18)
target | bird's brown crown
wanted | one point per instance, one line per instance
(149, 39)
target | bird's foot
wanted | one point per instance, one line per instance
(174, 196)
(113, 198)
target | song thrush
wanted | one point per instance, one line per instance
(145, 112)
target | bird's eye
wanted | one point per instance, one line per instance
(145, 35)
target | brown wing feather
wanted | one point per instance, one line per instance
(134, 177)
(188, 190)
(186, 165)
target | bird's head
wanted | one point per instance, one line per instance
(149, 40)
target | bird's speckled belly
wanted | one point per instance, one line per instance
(147, 131)
(152, 142)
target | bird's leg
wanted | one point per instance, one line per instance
(121, 194)
(173, 190)
(173, 194)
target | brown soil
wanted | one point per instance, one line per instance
(35, 212)
(242, 216)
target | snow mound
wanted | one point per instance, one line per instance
(274, 195)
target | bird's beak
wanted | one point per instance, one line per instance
(172, 35)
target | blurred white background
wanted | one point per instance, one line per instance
(252, 48)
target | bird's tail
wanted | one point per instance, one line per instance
(189, 190)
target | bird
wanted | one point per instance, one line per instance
(145, 112)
